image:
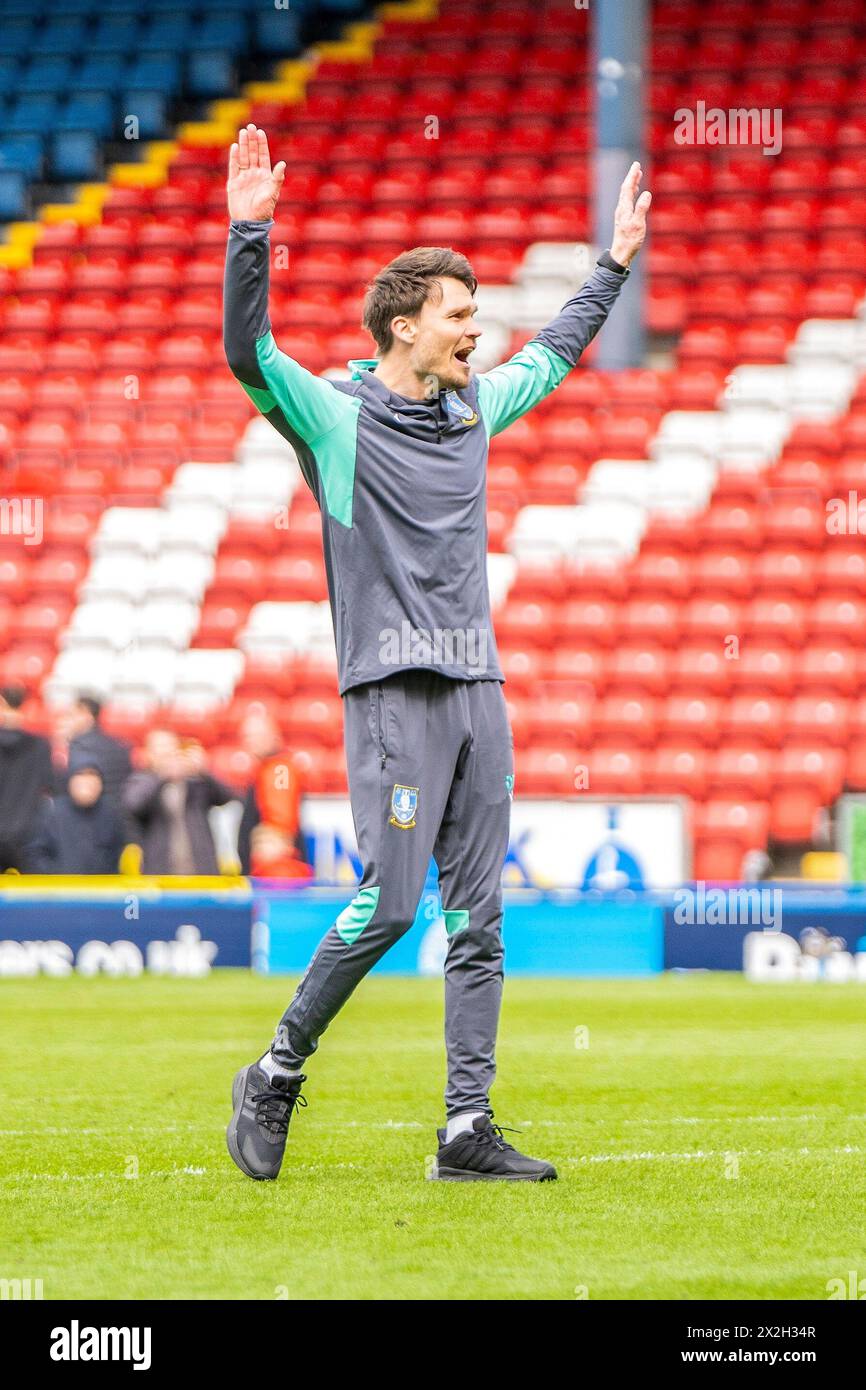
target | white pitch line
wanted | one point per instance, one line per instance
(320, 1170)
(649, 1156)
(59, 1131)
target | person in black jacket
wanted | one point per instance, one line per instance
(88, 740)
(169, 807)
(80, 831)
(26, 778)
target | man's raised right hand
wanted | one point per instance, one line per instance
(253, 187)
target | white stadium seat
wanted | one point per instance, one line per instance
(619, 479)
(299, 627)
(184, 573)
(501, 570)
(689, 432)
(203, 482)
(128, 529)
(145, 673)
(115, 575)
(204, 675)
(166, 622)
(86, 667)
(109, 622)
(192, 525)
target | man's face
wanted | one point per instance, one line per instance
(259, 735)
(74, 720)
(85, 787)
(162, 747)
(445, 334)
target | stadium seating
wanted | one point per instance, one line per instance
(672, 606)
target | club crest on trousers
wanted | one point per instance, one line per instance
(404, 804)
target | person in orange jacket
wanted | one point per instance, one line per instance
(270, 842)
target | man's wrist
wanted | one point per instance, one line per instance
(615, 260)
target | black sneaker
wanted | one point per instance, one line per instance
(482, 1155)
(256, 1135)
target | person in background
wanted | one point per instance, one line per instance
(81, 831)
(26, 778)
(273, 800)
(85, 737)
(169, 803)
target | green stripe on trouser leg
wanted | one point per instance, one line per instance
(354, 918)
(456, 920)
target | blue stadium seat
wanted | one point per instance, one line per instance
(115, 34)
(18, 37)
(22, 154)
(209, 74)
(102, 72)
(62, 36)
(46, 75)
(19, 9)
(83, 8)
(12, 194)
(158, 72)
(35, 113)
(169, 33)
(227, 31)
(9, 69)
(148, 107)
(93, 111)
(278, 32)
(75, 155)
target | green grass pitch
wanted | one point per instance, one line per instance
(710, 1140)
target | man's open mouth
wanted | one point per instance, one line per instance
(463, 354)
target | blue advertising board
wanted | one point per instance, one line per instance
(712, 937)
(123, 933)
(562, 933)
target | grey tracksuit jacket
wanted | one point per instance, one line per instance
(400, 483)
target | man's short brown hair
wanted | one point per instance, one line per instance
(405, 285)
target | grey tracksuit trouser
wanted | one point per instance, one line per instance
(430, 765)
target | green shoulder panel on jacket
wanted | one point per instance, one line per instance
(335, 454)
(507, 392)
(324, 418)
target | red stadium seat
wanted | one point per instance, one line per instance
(756, 718)
(640, 668)
(821, 717)
(629, 718)
(740, 771)
(678, 770)
(616, 771)
(692, 718)
(811, 767)
(762, 669)
(793, 816)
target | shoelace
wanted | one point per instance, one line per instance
(493, 1135)
(273, 1110)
